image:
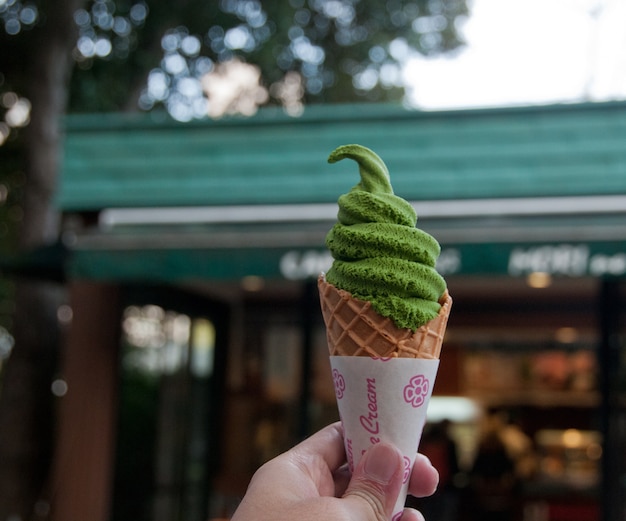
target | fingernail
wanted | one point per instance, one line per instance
(381, 462)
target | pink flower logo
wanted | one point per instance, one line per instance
(340, 384)
(407, 469)
(417, 389)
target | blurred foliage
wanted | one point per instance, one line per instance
(153, 53)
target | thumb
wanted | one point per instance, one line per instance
(376, 483)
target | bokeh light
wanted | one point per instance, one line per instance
(17, 16)
(104, 33)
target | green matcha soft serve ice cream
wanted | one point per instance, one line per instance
(379, 254)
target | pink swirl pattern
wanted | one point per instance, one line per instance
(340, 384)
(416, 391)
(407, 469)
(397, 516)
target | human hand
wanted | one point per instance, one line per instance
(311, 482)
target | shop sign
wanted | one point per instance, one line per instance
(299, 265)
(571, 260)
(594, 259)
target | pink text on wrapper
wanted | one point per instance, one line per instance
(370, 421)
(349, 454)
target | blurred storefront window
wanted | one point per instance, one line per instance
(166, 419)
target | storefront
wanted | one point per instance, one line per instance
(193, 255)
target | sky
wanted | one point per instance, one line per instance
(528, 52)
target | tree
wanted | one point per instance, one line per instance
(148, 54)
(339, 50)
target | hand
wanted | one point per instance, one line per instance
(311, 482)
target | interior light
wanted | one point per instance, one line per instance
(566, 335)
(252, 283)
(65, 314)
(594, 451)
(539, 279)
(202, 347)
(453, 408)
(572, 438)
(59, 387)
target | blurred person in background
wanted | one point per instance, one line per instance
(492, 479)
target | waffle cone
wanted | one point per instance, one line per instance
(354, 328)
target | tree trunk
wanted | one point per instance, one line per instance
(26, 401)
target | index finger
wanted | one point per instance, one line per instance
(326, 443)
(424, 477)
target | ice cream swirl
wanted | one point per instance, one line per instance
(379, 254)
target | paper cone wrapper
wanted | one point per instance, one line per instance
(383, 375)
(383, 399)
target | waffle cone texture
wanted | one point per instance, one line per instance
(354, 328)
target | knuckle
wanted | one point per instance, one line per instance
(373, 499)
